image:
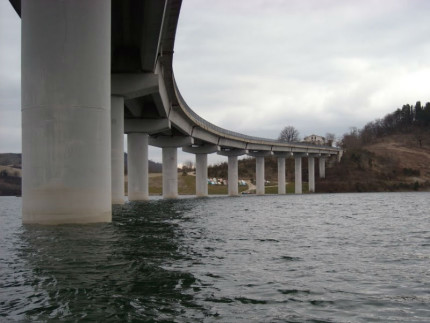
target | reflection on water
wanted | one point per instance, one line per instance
(310, 258)
(114, 271)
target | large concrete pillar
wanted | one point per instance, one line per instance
(170, 172)
(322, 167)
(281, 175)
(137, 166)
(298, 174)
(259, 175)
(233, 176)
(66, 135)
(311, 174)
(117, 149)
(202, 174)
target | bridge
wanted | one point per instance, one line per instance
(94, 70)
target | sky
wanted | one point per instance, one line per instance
(257, 66)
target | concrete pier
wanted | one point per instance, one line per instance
(259, 168)
(233, 170)
(281, 175)
(259, 175)
(137, 165)
(233, 176)
(311, 173)
(201, 152)
(117, 149)
(66, 121)
(201, 175)
(169, 145)
(298, 174)
(170, 172)
(322, 167)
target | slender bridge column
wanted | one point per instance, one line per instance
(259, 169)
(66, 135)
(137, 166)
(117, 150)
(298, 172)
(169, 145)
(138, 131)
(322, 166)
(259, 175)
(311, 173)
(233, 171)
(281, 170)
(233, 176)
(281, 175)
(201, 153)
(170, 172)
(201, 174)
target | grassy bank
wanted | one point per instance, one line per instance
(186, 186)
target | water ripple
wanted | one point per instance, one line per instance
(308, 258)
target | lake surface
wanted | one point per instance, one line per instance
(305, 258)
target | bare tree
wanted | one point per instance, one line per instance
(330, 138)
(187, 166)
(289, 134)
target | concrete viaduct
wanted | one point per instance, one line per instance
(94, 70)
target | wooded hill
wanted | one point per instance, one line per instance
(388, 154)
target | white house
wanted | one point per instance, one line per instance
(315, 139)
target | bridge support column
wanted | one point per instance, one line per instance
(169, 145)
(298, 174)
(311, 174)
(322, 167)
(117, 149)
(170, 172)
(259, 175)
(233, 176)
(281, 175)
(137, 161)
(233, 170)
(259, 169)
(202, 174)
(201, 152)
(66, 135)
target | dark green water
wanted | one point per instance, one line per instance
(309, 258)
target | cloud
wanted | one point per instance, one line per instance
(256, 66)
(321, 66)
(10, 79)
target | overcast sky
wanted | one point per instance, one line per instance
(257, 66)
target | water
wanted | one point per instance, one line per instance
(308, 258)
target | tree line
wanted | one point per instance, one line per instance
(404, 120)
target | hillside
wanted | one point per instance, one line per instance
(394, 162)
(404, 151)
(10, 159)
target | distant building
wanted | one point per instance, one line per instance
(315, 139)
